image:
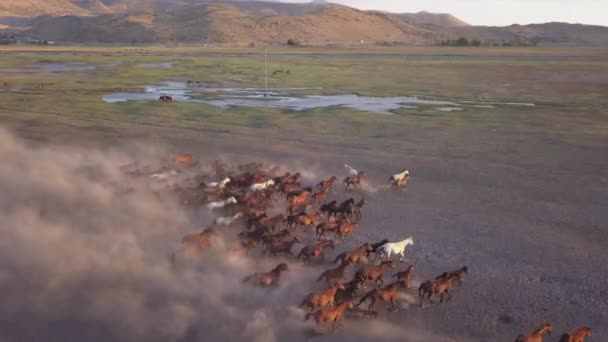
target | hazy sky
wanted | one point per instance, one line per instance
(499, 12)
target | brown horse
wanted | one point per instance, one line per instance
(356, 255)
(183, 159)
(330, 315)
(202, 240)
(330, 226)
(334, 274)
(441, 286)
(375, 273)
(354, 210)
(322, 298)
(345, 229)
(300, 200)
(267, 279)
(350, 289)
(165, 98)
(275, 248)
(316, 250)
(327, 184)
(303, 220)
(319, 196)
(405, 275)
(576, 336)
(354, 180)
(386, 294)
(537, 335)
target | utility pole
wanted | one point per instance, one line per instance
(265, 71)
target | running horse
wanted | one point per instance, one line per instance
(354, 181)
(375, 273)
(537, 335)
(316, 250)
(333, 315)
(267, 279)
(388, 293)
(576, 336)
(441, 286)
(183, 159)
(354, 256)
(398, 247)
(399, 180)
(322, 298)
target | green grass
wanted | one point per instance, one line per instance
(570, 94)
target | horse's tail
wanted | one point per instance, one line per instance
(422, 289)
(364, 298)
(565, 338)
(322, 276)
(308, 315)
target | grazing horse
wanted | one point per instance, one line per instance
(261, 186)
(375, 273)
(355, 256)
(399, 180)
(576, 336)
(275, 248)
(330, 315)
(322, 298)
(387, 294)
(316, 250)
(334, 274)
(326, 185)
(227, 221)
(165, 98)
(221, 204)
(267, 279)
(354, 181)
(395, 248)
(440, 286)
(537, 335)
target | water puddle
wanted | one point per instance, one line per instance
(281, 98)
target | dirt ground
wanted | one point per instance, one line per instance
(524, 209)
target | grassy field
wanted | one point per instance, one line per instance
(558, 88)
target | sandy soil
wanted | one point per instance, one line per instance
(525, 210)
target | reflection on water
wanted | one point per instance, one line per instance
(280, 98)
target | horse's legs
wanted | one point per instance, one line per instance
(371, 304)
(441, 298)
(393, 304)
(449, 295)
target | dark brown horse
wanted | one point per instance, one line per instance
(267, 279)
(165, 98)
(387, 294)
(354, 181)
(334, 274)
(316, 250)
(440, 286)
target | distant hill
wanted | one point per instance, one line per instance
(434, 19)
(249, 22)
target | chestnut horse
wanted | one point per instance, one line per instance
(267, 279)
(201, 240)
(405, 275)
(375, 273)
(576, 336)
(327, 184)
(441, 286)
(345, 229)
(387, 294)
(355, 256)
(183, 159)
(537, 335)
(322, 298)
(330, 315)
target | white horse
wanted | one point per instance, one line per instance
(351, 170)
(221, 204)
(221, 184)
(227, 221)
(261, 186)
(395, 248)
(400, 179)
(161, 176)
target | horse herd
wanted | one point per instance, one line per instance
(245, 195)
